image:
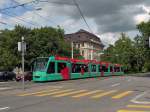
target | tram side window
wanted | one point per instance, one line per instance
(85, 67)
(76, 68)
(99, 68)
(117, 69)
(111, 69)
(122, 69)
(51, 68)
(93, 68)
(61, 66)
(104, 68)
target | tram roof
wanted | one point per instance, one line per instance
(78, 60)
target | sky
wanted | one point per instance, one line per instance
(106, 18)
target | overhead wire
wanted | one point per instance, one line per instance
(18, 18)
(82, 15)
(23, 5)
(15, 6)
(65, 3)
(46, 19)
(4, 11)
(3, 23)
(58, 2)
(6, 16)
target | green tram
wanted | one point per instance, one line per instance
(62, 68)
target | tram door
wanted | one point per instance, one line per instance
(63, 69)
(111, 70)
(102, 70)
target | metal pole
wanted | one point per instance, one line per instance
(92, 53)
(22, 47)
(72, 49)
(149, 42)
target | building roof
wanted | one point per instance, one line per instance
(83, 36)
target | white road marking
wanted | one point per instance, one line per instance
(3, 82)
(135, 99)
(4, 108)
(4, 88)
(117, 84)
(129, 80)
(56, 86)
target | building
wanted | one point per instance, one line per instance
(88, 44)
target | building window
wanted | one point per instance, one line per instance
(74, 45)
(83, 53)
(83, 44)
(78, 45)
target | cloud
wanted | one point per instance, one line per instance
(3, 3)
(109, 16)
(109, 38)
(106, 18)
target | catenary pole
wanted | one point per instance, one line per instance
(23, 48)
(72, 50)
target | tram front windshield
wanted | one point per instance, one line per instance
(40, 64)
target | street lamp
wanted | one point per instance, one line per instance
(22, 49)
(72, 49)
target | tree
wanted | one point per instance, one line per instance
(121, 52)
(41, 42)
(144, 29)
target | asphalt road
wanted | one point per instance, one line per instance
(107, 94)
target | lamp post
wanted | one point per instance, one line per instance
(72, 49)
(22, 49)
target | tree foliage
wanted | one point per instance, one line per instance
(131, 53)
(41, 42)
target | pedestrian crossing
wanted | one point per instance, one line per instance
(103, 94)
(78, 93)
(121, 95)
(85, 94)
(136, 108)
(70, 93)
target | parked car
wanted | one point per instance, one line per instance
(6, 75)
(1, 76)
